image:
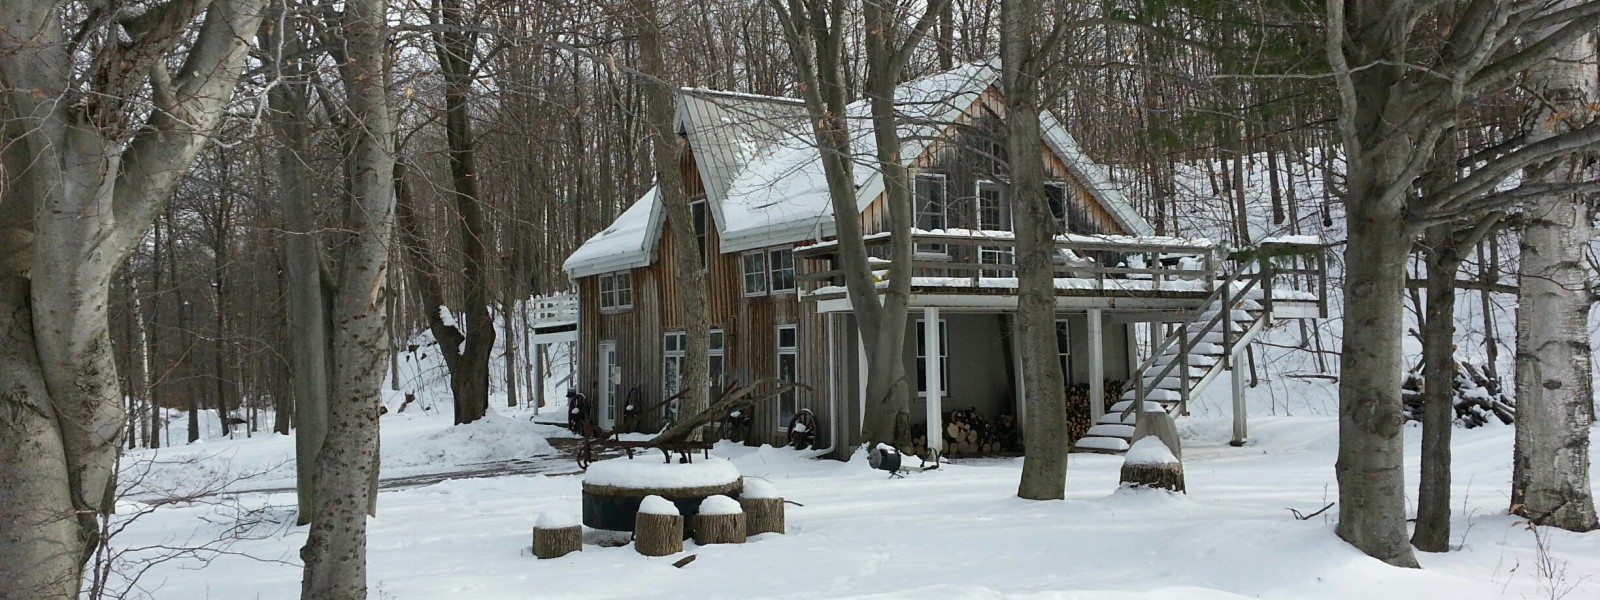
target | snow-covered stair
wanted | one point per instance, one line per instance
(1190, 358)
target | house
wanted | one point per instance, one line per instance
(1128, 301)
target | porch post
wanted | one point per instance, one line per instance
(931, 377)
(861, 381)
(538, 376)
(1097, 367)
(1237, 375)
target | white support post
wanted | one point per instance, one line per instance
(1097, 367)
(931, 381)
(1237, 375)
(538, 377)
(1016, 363)
(861, 381)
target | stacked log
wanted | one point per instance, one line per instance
(967, 432)
(720, 521)
(557, 534)
(1079, 417)
(658, 528)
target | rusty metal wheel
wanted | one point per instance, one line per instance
(802, 430)
(587, 454)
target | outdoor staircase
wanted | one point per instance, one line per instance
(1193, 355)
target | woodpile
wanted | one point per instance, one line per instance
(1478, 397)
(1079, 419)
(658, 528)
(556, 535)
(763, 508)
(967, 432)
(720, 521)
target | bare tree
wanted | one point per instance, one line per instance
(1398, 96)
(104, 112)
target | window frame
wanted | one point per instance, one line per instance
(791, 398)
(1063, 333)
(1063, 218)
(943, 189)
(772, 270)
(614, 287)
(700, 221)
(760, 276)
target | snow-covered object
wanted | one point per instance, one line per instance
(1150, 450)
(1102, 443)
(656, 505)
(623, 245)
(557, 519)
(759, 489)
(649, 472)
(720, 505)
(446, 317)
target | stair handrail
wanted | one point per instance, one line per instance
(1224, 309)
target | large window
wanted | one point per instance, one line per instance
(755, 273)
(616, 290)
(931, 209)
(944, 358)
(675, 349)
(788, 370)
(782, 270)
(697, 210)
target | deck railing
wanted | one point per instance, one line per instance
(968, 258)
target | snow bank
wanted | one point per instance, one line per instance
(720, 505)
(491, 438)
(651, 473)
(556, 519)
(759, 489)
(656, 505)
(1150, 450)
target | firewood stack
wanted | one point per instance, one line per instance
(968, 433)
(1078, 418)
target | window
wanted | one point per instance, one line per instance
(674, 351)
(755, 273)
(616, 290)
(944, 358)
(1063, 350)
(1056, 193)
(782, 270)
(718, 340)
(698, 210)
(788, 368)
(930, 208)
(994, 215)
(674, 346)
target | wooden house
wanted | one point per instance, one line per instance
(778, 308)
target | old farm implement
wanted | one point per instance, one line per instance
(728, 417)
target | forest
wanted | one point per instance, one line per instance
(241, 216)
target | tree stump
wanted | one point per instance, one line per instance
(720, 521)
(557, 534)
(763, 507)
(1150, 464)
(658, 528)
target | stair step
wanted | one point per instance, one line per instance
(1116, 418)
(1104, 445)
(1117, 430)
(1124, 405)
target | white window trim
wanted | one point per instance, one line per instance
(931, 251)
(1066, 204)
(794, 272)
(763, 276)
(777, 368)
(611, 278)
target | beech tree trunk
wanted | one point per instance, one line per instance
(1432, 533)
(335, 553)
(1044, 463)
(1555, 385)
(86, 175)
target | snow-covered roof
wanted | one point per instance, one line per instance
(626, 244)
(764, 178)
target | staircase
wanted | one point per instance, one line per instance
(1187, 360)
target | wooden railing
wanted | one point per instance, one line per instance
(555, 309)
(977, 255)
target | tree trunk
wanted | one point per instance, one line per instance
(1371, 449)
(1044, 463)
(335, 553)
(308, 319)
(1432, 533)
(469, 376)
(690, 261)
(1555, 383)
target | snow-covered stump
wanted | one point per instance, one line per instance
(557, 534)
(763, 508)
(614, 489)
(720, 521)
(658, 528)
(1150, 464)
